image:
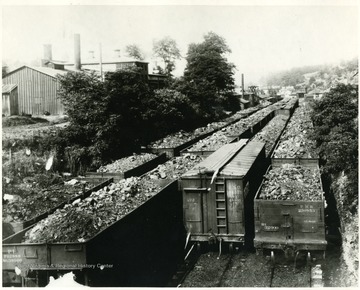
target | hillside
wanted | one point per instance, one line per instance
(322, 77)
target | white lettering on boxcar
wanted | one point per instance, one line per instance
(306, 210)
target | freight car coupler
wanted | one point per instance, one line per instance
(289, 252)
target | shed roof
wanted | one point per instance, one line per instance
(49, 71)
(6, 89)
(217, 159)
(45, 70)
(242, 162)
(315, 91)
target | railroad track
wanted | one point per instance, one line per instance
(247, 269)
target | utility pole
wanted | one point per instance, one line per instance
(100, 50)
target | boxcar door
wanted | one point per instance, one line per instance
(193, 209)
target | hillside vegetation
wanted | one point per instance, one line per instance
(321, 77)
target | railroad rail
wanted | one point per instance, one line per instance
(246, 269)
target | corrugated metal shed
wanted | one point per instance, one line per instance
(37, 89)
(216, 160)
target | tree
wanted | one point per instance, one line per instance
(208, 76)
(134, 51)
(166, 49)
(169, 111)
(106, 117)
(335, 119)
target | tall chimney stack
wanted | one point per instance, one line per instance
(77, 61)
(47, 52)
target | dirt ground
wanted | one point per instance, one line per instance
(38, 129)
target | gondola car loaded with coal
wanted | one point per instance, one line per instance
(289, 211)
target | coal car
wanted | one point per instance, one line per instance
(289, 211)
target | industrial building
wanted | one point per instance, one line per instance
(37, 87)
(37, 90)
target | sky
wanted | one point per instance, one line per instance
(263, 38)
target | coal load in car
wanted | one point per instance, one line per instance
(295, 141)
(271, 132)
(292, 182)
(81, 220)
(127, 163)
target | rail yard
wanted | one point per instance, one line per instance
(195, 215)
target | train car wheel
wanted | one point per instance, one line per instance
(308, 258)
(198, 247)
(272, 257)
(259, 252)
(231, 248)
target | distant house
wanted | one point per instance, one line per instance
(263, 98)
(251, 97)
(316, 94)
(37, 89)
(244, 104)
(9, 100)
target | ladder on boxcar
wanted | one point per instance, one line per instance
(221, 210)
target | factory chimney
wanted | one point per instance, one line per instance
(77, 60)
(47, 55)
(242, 85)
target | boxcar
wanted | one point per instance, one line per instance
(216, 191)
(292, 226)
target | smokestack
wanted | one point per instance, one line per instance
(242, 85)
(77, 60)
(47, 52)
(117, 53)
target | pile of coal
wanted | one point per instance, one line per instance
(35, 201)
(235, 129)
(292, 182)
(84, 218)
(178, 138)
(295, 143)
(211, 143)
(127, 163)
(271, 132)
